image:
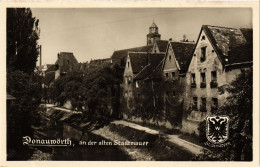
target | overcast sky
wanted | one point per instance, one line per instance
(96, 33)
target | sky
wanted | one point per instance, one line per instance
(94, 33)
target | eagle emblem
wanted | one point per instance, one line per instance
(217, 131)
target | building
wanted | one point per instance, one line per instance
(153, 34)
(67, 62)
(159, 73)
(218, 57)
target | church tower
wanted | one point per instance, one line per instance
(153, 34)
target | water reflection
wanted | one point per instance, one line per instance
(52, 130)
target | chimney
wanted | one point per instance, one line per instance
(40, 55)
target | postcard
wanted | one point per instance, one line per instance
(130, 83)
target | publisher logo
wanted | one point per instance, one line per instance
(217, 130)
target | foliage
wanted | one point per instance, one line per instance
(26, 89)
(149, 104)
(94, 92)
(22, 36)
(239, 109)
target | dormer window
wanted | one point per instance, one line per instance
(203, 54)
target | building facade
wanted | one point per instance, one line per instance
(215, 62)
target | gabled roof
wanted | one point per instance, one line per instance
(49, 77)
(153, 61)
(162, 45)
(66, 62)
(223, 39)
(183, 53)
(121, 54)
(138, 61)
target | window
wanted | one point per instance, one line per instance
(213, 83)
(193, 80)
(214, 105)
(173, 75)
(203, 77)
(173, 93)
(128, 64)
(126, 80)
(129, 80)
(195, 103)
(167, 75)
(170, 57)
(203, 38)
(203, 54)
(213, 76)
(203, 80)
(203, 105)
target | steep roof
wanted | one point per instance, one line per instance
(162, 45)
(66, 62)
(224, 39)
(121, 54)
(153, 61)
(243, 53)
(183, 53)
(157, 72)
(138, 61)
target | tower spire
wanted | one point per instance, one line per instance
(153, 34)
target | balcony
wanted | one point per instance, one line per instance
(203, 85)
(213, 84)
(193, 85)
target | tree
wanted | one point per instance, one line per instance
(22, 36)
(239, 108)
(149, 104)
(26, 89)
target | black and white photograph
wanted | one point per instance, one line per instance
(129, 84)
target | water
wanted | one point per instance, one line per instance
(51, 130)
